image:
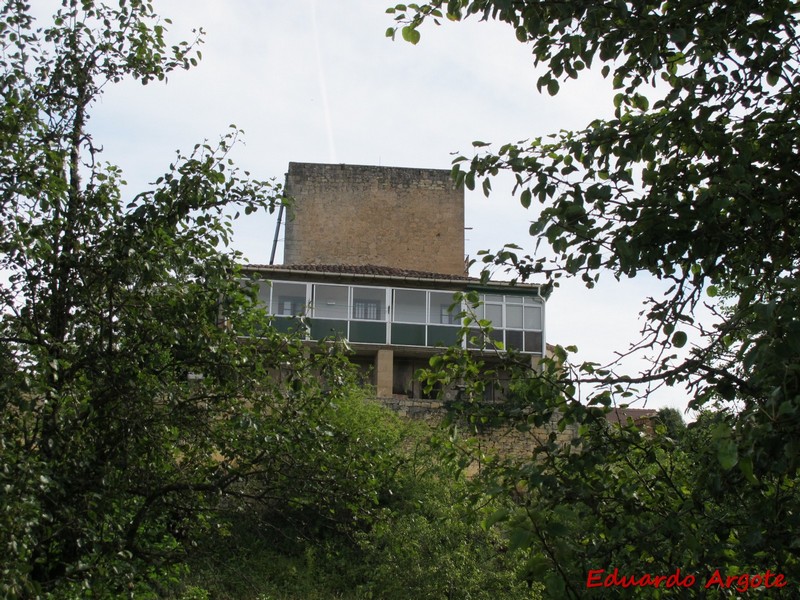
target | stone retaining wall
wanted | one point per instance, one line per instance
(505, 441)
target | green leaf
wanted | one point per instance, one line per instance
(497, 516)
(410, 34)
(555, 586)
(519, 538)
(525, 198)
(679, 339)
(487, 186)
(641, 102)
(773, 77)
(746, 467)
(469, 180)
(727, 453)
(537, 566)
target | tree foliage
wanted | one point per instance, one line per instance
(142, 390)
(424, 540)
(692, 181)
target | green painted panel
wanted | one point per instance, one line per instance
(441, 335)
(408, 335)
(286, 324)
(325, 328)
(368, 332)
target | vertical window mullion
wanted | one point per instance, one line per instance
(389, 302)
(348, 310)
(427, 314)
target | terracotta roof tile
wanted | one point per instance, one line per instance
(620, 415)
(374, 270)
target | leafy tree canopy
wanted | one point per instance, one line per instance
(694, 182)
(142, 391)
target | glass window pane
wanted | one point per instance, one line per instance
(409, 306)
(533, 318)
(513, 299)
(330, 301)
(439, 309)
(264, 289)
(477, 311)
(533, 341)
(529, 301)
(491, 298)
(514, 317)
(513, 340)
(494, 313)
(369, 303)
(288, 298)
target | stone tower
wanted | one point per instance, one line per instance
(386, 216)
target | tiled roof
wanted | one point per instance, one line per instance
(620, 415)
(374, 270)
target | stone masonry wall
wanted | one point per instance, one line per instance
(504, 441)
(387, 216)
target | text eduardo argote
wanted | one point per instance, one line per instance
(600, 578)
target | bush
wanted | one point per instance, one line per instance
(429, 544)
(415, 535)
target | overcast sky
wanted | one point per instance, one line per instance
(318, 81)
